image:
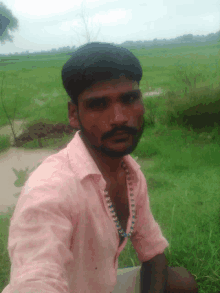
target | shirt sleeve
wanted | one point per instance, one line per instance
(147, 238)
(39, 240)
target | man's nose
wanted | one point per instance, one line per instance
(118, 113)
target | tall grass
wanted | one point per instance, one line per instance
(183, 177)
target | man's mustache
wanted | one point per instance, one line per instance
(124, 130)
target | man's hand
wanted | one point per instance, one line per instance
(154, 275)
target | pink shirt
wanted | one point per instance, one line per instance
(62, 237)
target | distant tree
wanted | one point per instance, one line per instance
(7, 23)
(84, 25)
(187, 38)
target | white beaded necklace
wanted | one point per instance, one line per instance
(112, 210)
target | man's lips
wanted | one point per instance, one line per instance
(120, 135)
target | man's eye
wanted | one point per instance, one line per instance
(96, 104)
(102, 104)
(130, 99)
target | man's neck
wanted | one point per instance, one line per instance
(110, 169)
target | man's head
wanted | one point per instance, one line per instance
(102, 81)
(95, 62)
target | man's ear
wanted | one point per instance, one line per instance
(73, 115)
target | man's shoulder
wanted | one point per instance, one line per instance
(54, 170)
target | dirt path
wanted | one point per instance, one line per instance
(157, 92)
(18, 159)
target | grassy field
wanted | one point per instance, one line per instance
(183, 181)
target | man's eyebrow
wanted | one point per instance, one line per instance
(122, 95)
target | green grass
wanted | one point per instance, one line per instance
(183, 186)
(183, 181)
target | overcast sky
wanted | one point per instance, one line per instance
(47, 24)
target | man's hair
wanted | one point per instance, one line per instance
(96, 62)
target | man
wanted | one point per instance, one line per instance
(78, 208)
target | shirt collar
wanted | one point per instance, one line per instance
(80, 156)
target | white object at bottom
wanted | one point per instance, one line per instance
(128, 280)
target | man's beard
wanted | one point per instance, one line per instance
(89, 138)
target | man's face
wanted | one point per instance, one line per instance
(109, 107)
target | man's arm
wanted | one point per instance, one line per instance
(154, 275)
